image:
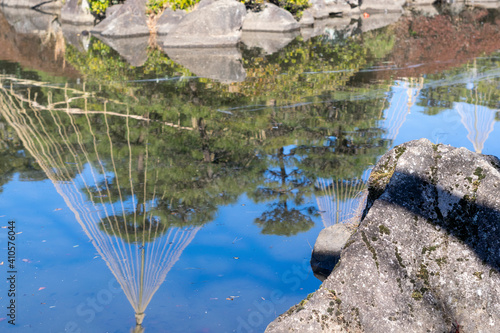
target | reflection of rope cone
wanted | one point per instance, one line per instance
(405, 94)
(139, 256)
(479, 122)
(139, 318)
(342, 202)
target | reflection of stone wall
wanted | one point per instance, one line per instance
(220, 64)
(29, 44)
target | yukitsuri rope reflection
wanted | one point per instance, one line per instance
(138, 249)
(477, 119)
(404, 95)
(341, 201)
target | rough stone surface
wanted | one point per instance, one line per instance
(426, 256)
(322, 9)
(271, 19)
(307, 18)
(215, 25)
(493, 4)
(111, 10)
(169, 20)
(77, 12)
(269, 42)
(419, 2)
(220, 64)
(326, 252)
(372, 6)
(31, 3)
(130, 20)
(28, 21)
(426, 10)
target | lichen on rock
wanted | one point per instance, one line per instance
(426, 255)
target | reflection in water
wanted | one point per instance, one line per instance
(479, 122)
(404, 95)
(341, 201)
(119, 212)
(478, 119)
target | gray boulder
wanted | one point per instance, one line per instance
(322, 9)
(28, 21)
(112, 10)
(425, 10)
(326, 252)
(372, 6)
(219, 64)
(214, 25)
(271, 19)
(426, 256)
(32, 4)
(77, 12)
(491, 4)
(419, 2)
(129, 20)
(307, 18)
(169, 20)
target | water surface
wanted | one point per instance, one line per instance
(190, 201)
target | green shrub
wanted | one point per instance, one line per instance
(98, 7)
(156, 6)
(295, 7)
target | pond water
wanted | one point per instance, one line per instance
(189, 198)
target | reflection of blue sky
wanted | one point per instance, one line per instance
(466, 125)
(402, 98)
(194, 294)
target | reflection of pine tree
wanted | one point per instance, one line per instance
(123, 188)
(13, 158)
(283, 185)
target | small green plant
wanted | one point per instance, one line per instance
(157, 6)
(295, 7)
(253, 5)
(98, 7)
